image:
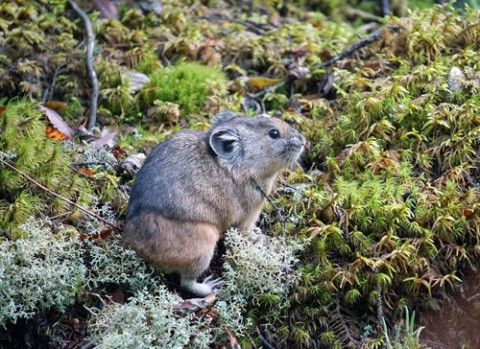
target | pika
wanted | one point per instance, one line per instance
(196, 185)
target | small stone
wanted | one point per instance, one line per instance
(136, 80)
(455, 79)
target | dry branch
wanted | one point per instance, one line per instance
(92, 119)
(63, 198)
(376, 35)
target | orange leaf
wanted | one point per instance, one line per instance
(2, 108)
(50, 132)
(85, 171)
(56, 121)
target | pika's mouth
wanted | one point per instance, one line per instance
(292, 152)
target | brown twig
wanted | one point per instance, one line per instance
(376, 35)
(49, 90)
(92, 119)
(63, 198)
(262, 340)
(210, 307)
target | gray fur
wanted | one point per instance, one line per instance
(194, 185)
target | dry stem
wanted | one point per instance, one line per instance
(51, 192)
(92, 119)
(376, 35)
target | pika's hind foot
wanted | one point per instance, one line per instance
(215, 284)
(203, 289)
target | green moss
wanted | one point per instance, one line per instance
(25, 146)
(186, 84)
(396, 196)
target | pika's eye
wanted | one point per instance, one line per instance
(273, 133)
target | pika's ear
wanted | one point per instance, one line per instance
(223, 116)
(225, 143)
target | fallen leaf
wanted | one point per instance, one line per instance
(468, 213)
(53, 133)
(118, 296)
(327, 84)
(119, 152)
(325, 54)
(85, 171)
(259, 81)
(299, 72)
(208, 54)
(148, 6)
(57, 121)
(195, 304)
(85, 135)
(233, 341)
(2, 108)
(107, 137)
(136, 80)
(106, 8)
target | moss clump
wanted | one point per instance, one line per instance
(25, 147)
(38, 50)
(186, 84)
(393, 215)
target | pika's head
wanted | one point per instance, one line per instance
(259, 146)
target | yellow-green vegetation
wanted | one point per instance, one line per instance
(185, 84)
(392, 219)
(23, 145)
(384, 210)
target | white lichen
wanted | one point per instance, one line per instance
(38, 272)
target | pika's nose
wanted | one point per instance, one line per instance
(299, 140)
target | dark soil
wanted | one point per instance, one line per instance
(457, 323)
(52, 330)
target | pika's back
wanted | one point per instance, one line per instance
(169, 173)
